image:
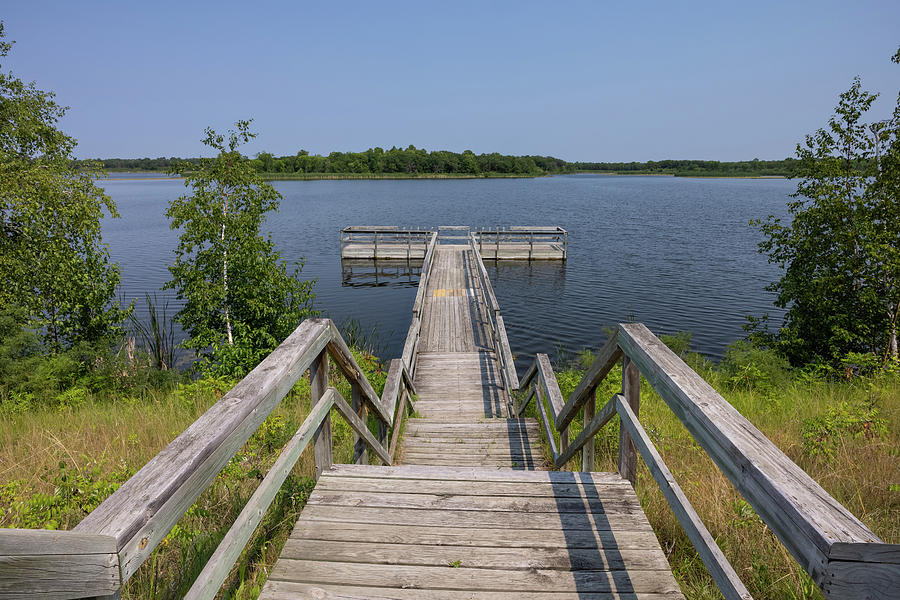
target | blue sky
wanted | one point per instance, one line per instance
(578, 80)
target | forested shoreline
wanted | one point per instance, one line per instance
(414, 162)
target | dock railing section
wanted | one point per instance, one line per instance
(374, 242)
(99, 555)
(498, 329)
(541, 242)
(844, 558)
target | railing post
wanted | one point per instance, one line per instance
(587, 451)
(375, 253)
(360, 449)
(318, 383)
(631, 389)
(497, 251)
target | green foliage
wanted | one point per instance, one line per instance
(158, 334)
(77, 491)
(240, 299)
(679, 342)
(822, 434)
(841, 285)
(751, 368)
(695, 168)
(52, 260)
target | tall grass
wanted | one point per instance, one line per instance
(845, 434)
(58, 463)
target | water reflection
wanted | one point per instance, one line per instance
(362, 273)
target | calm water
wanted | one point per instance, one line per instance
(674, 253)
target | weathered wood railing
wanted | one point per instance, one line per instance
(99, 555)
(395, 242)
(531, 236)
(498, 328)
(839, 552)
(412, 337)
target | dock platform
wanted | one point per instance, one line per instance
(467, 510)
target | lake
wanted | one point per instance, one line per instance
(674, 253)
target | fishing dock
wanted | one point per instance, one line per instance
(457, 494)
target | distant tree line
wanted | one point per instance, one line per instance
(418, 161)
(410, 160)
(699, 168)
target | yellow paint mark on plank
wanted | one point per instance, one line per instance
(451, 293)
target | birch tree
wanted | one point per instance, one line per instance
(240, 300)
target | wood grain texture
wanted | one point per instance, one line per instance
(606, 359)
(379, 531)
(142, 512)
(210, 579)
(719, 568)
(806, 519)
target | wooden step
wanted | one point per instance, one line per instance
(459, 533)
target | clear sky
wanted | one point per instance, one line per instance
(603, 81)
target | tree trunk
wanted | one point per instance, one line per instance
(225, 270)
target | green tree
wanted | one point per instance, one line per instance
(839, 250)
(53, 263)
(240, 299)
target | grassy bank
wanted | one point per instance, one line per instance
(845, 434)
(59, 461)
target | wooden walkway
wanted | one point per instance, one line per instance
(468, 512)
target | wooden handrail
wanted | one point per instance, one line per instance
(129, 524)
(501, 342)
(839, 552)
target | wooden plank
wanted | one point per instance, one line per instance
(631, 391)
(848, 580)
(391, 392)
(290, 590)
(488, 557)
(606, 359)
(519, 489)
(804, 516)
(719, 568)
(359, 427)
(57, 564)
(450, 502)
(318, 386)
(463, 578)
(59, 576)
(34, 542)
(596, 424)
(437, 517)
(210, 579)
(508, 362)
(548, 430)
(342, 356)
(551, 387)
(360, 450)
(142, 512)
(517, 537)
(587, 448)
(866, 552)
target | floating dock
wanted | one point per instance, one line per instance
(508, 243)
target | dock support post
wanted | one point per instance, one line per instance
(497, 251)
(631, 389)
(318, 384)
(360, 449)
(531, 245)
(587, 451)
(375, 252)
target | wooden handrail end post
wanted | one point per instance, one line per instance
(318, 385)
(631, 390)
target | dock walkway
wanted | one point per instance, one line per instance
(475, 501)
(468, 511)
